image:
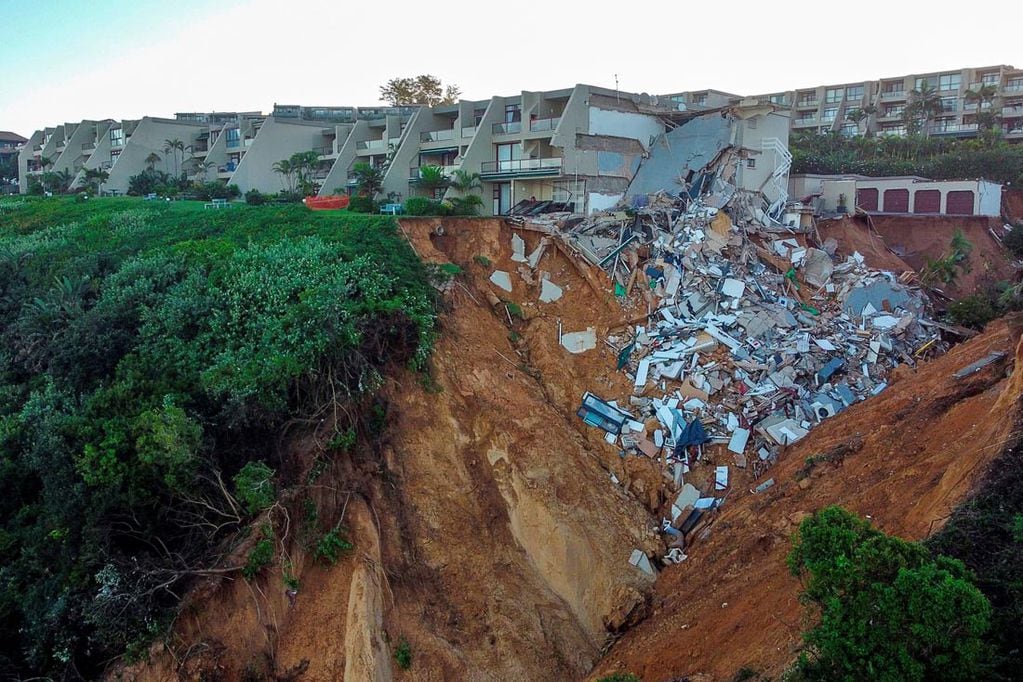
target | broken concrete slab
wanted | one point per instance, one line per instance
(502, 280)
(817, 267)
(549, 291)
(580, 342)
(641, 561)
(720, 477)
(518, 249)
(975, 367)
(737, 443)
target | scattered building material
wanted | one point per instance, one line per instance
(501, 279)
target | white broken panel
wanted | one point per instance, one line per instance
(687, 497)
(534, 258)
(786, 432)
(720, 477)
(640, 560)
(549, 291)
(737, 443)
(641, 372)
(733, 287)
(501, 279)
(518, 249)
(580, 342)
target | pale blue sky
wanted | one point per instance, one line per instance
(64, 60)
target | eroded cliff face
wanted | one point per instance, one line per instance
(488, 532)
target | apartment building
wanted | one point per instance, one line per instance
(878, 106)
(579, 146)
(10, 143)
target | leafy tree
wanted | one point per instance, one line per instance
(253, 486)
(889, 611)
(426, 90)
(152, 159)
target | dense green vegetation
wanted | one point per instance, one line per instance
(150, 355)
(889, 610)
(930, 157)
(986, 534)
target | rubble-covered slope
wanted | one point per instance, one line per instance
(903, 459)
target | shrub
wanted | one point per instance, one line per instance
(262, 553)
(424, 206)
(887, 607)
(619, 677)
(255, 198)
(253, 486)
(331, 546)
(1014, 241)
(482, 260)
(973, 311)
(403, 654)
(361, 204)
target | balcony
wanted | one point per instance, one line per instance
(954, 129)
(893, 94)
(415, 174)
(437, 135)
(805, 103)
(544, 125)
(1012, 110)
(469, 132)
(893, 132)
(325, 153)
(371, 145)
(87, 147)
(810, 121)
(508, 128)
(520, 168)
(1013, 87)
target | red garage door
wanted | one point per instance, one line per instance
(959, 202)
(867, 199)
(927, 201)
(896, 201)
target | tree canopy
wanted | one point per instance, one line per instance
(424, 89)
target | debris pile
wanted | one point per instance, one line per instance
(740, 339)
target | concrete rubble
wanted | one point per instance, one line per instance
(745, 331)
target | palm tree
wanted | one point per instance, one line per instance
(924, 106)
(95, 177)
(173, 147)
(285, 168)
(464, 182)
(861, 114)
(201, 168)
(45, 162)
(368, 179)
(152, 160)
(432, 178)
(985, 94)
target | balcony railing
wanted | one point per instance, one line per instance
(893, 94)
(1013, 87)
(469, 132)
(551, 166)
(88, 145)
(370, 144)
(415, 172)
(324, 151)
(543, 125)
(954, 128)
(508, 128)
(806, 121)
(807, 103)
(437, 135)
(1013, 111)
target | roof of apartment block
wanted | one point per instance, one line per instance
(7, 135)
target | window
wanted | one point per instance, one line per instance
(1014, 84)
(833, 95)
(116, 137)
(233, 136)
(894, 110)
(807, 98)
(850, 129)
(949, 103)
(894, 88)
(512, 113)
(919, 83)
(700, 99)
(854, 93)
(989, 79)
(751, 163)
(949, 81)
(829, 114)
(778, 99)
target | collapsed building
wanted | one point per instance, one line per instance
(745, 329)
